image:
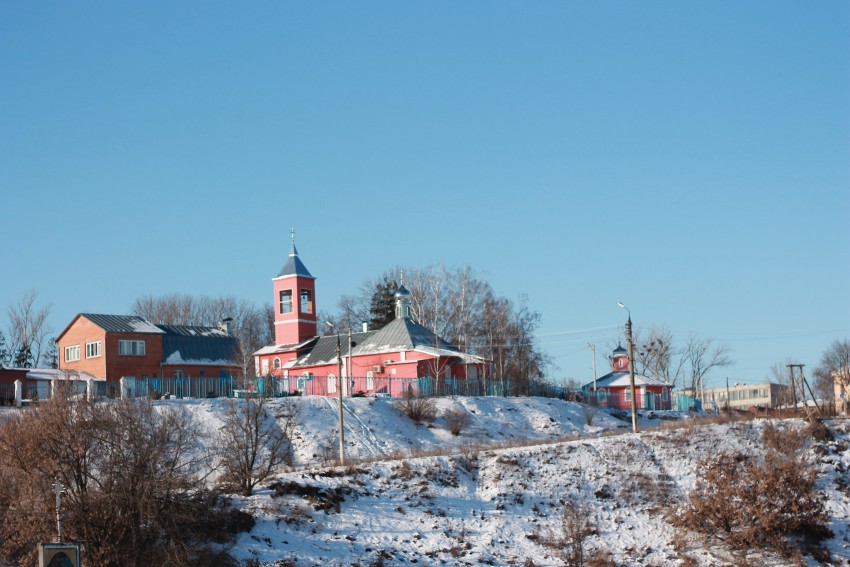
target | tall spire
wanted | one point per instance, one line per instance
(294, 266)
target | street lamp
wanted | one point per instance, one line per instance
(339, 394)
(631, 366)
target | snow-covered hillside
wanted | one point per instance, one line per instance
(473, 504)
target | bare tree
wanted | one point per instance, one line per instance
(654, 352)
(29, 331)
(834, 369)
(253, 443)
(133, 489)
(701, 355)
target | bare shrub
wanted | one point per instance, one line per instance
(133, 491)
(590, 412)
(568, 539)
(756, 505)
(252, 444)
(457, 419)
(328, 450)
(418, 408)
(786, 441)
(818, 431)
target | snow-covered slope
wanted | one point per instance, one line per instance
(499, 506)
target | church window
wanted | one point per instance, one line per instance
(286, 301)
(276, 363)
(306, 301)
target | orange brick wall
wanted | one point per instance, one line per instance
(109, 364)
(83, 331)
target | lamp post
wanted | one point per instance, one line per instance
(339, 394)
(631, 366)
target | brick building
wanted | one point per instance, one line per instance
(113, 346)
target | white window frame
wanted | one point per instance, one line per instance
(285, 299)
(370, 380)
(331, 383)
(305, 301)
(178, 373)
(276, 363)
(72, 353)
(131, 347)
(93, 349)
(628, 396)
(265, 366)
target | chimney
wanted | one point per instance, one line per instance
(224, 325)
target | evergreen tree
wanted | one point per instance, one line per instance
(52, 355)
(382, 307)
(4, 350)
(23, 358)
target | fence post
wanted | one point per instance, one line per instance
(19, 393)
(89, 389)
(124, 387)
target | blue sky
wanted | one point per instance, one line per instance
(690, 159)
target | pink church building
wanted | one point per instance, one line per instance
(374, 362)
(614, 389)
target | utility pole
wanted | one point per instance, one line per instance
(58, 489)
(349, 367)
(803, 385)
(793, 386)
(593, 348)
(727, 394)
(806, 382)
(339, 395)
(631, 367)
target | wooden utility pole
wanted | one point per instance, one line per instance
(804, 382)
(793, 386)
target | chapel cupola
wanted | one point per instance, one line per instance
(402, 300)
(620, 359)
(294, 301)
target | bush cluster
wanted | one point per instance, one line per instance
(417, 408)
(133, 486)
(758, 503)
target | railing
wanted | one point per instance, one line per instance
(622, 400)
(202, 387)
(276, 386)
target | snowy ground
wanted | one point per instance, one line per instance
(495, 493)
(475, 504)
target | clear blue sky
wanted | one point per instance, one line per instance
(691, 159)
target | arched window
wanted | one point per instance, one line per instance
(276, 363)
